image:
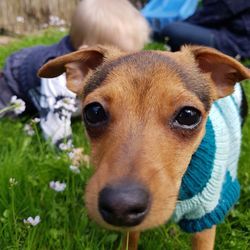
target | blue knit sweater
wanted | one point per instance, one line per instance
(210, 187)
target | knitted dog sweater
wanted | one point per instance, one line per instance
(209, 186)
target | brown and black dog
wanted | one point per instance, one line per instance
(145, 115)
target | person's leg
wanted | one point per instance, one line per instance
(179, 33)
(5, 96)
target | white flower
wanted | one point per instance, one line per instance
(13, 182)
(71, 154)
(57, 186)
(32, 221)
(66, 146)
(74, 169)
(35, 120)
(18, 104)
(29, 130)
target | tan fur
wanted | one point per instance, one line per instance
(224, 70)
(204, 240)
(142, 93)
(110, 22)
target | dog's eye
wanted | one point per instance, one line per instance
(187, 118)
(94, 114)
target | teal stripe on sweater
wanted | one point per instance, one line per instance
(200, 168)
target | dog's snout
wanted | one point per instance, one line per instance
(124, 204)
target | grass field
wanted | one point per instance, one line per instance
(33, 163)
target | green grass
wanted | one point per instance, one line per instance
(64, 222)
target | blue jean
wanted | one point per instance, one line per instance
(180, 33)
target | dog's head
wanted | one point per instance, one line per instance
(145, 115)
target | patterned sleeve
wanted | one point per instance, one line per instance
(57, 104)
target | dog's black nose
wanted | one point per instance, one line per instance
(124, 204)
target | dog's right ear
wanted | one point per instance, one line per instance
(76, 65)
(224, 70)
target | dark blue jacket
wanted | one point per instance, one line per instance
(230, 21)
(20, 70)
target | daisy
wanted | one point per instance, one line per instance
(32, 221)
(74, 169)
(13, 182)
(29, 130)
(18, 105)
(35, 120)
(57, 186)
(66, 146)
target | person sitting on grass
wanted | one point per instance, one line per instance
(222, 24)
(107, 22)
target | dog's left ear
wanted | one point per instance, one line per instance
(225, 71)
(77, 65)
